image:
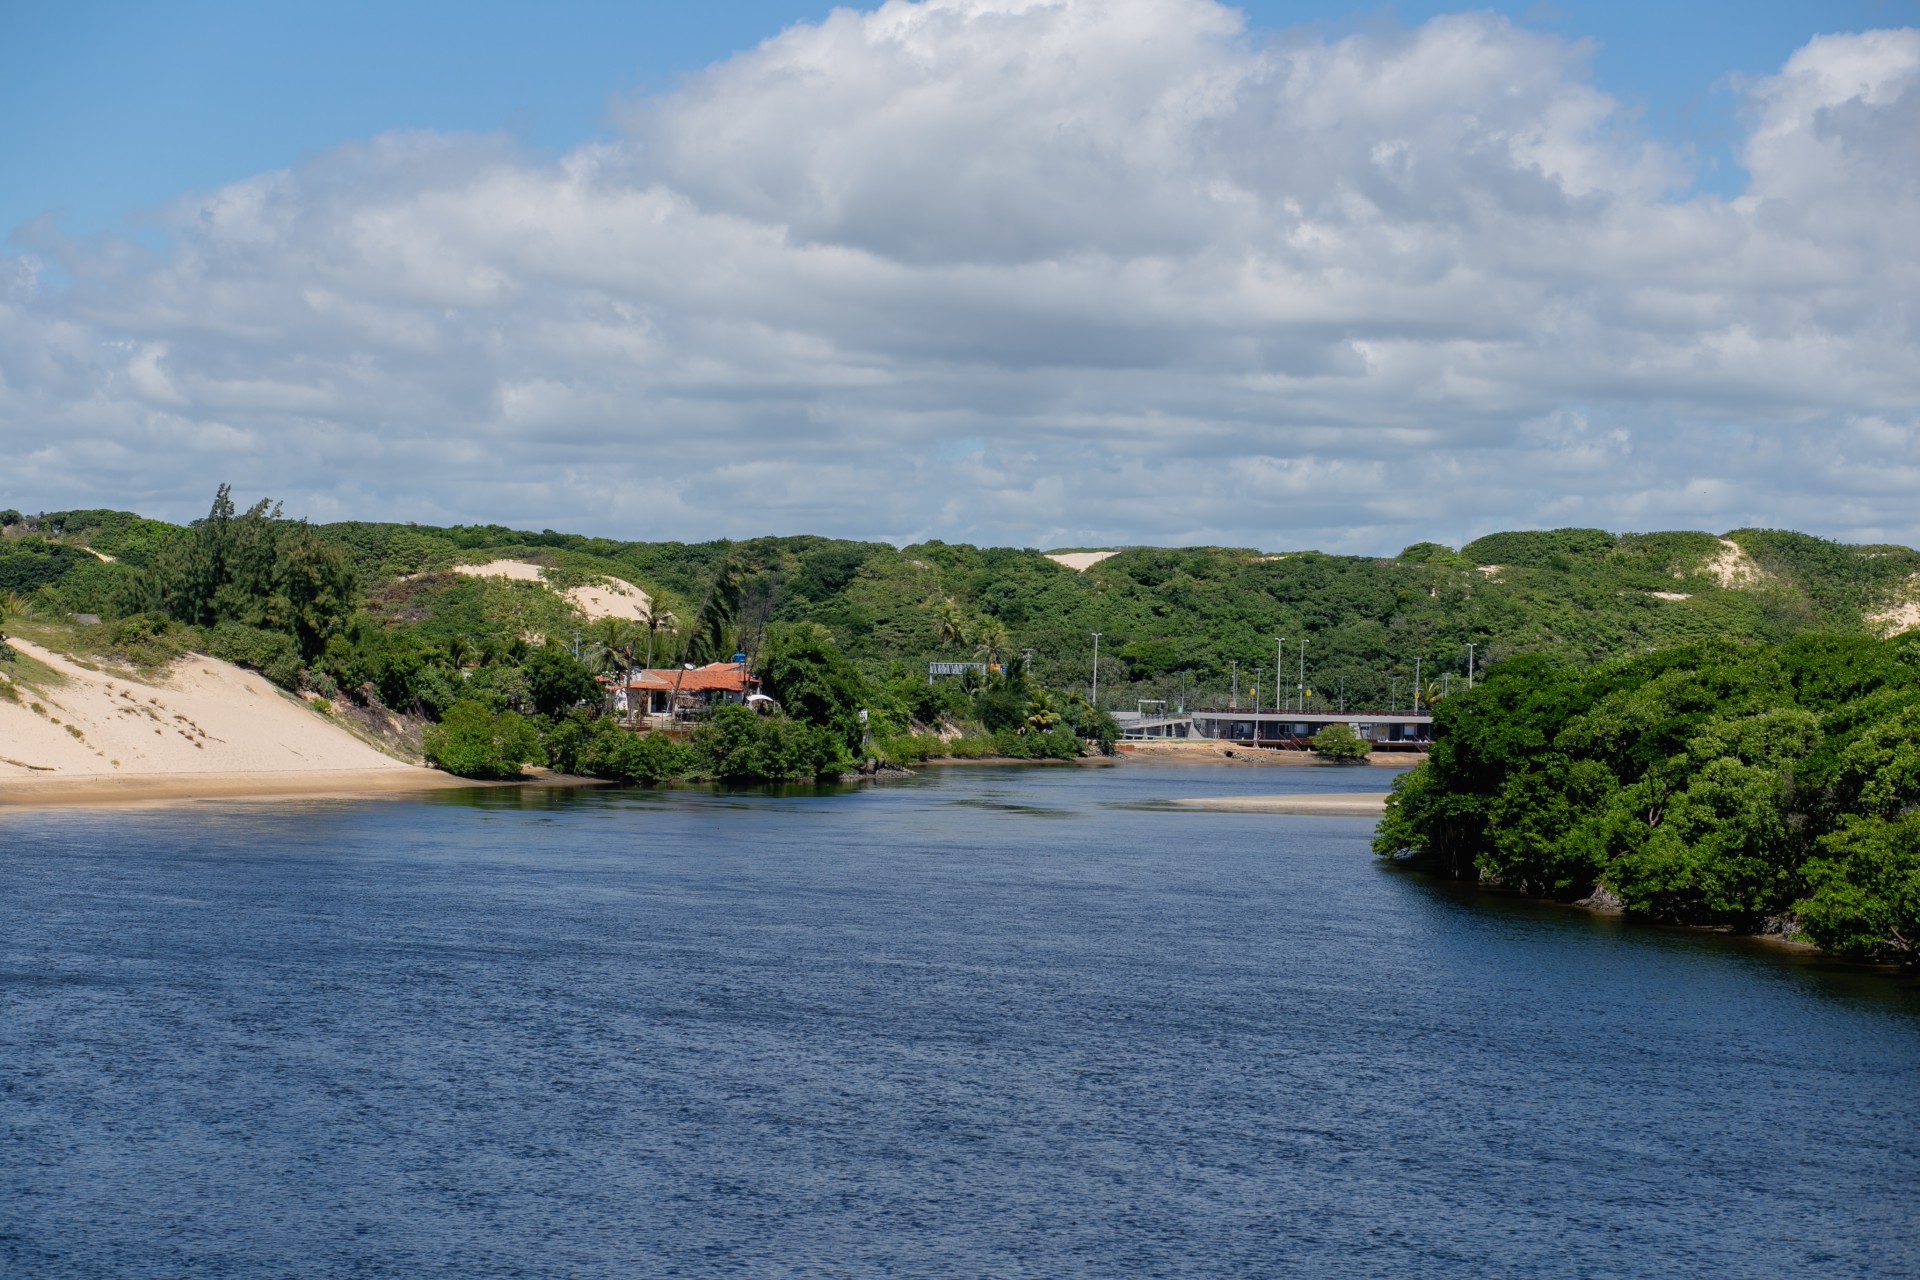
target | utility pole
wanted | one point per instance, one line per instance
(1096, 671)
(1343, 695)
(1393, 695)
(1303, 675)
(1469, 664)
(1233, 699)
(1419, 691)
(1280, 671)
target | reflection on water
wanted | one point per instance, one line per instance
(923, 1028)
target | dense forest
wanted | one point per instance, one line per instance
(1758, 787)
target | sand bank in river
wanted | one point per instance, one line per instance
(1219, 751)
(1357, 804)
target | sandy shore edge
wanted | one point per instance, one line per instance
(151, 788)
(1341, 804)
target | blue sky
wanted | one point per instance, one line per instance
(118, 106)
(1047, 272)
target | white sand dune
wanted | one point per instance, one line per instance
(202, 717)
(518, 570)
(1080, 561)
(612, 598)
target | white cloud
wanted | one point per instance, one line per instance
(1049, 271)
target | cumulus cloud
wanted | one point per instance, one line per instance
(1041, 271)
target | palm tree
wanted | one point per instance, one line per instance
(991, 640)
(610, 643)
(1042, 715)
(952, 623)
(657, 620)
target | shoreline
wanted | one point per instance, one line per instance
(105, 790)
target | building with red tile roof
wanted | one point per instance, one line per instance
(659, 691)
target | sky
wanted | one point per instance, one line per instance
(1042, 272)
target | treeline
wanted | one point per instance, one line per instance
(1756, 787)
(1181, 624)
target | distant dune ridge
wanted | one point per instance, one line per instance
(610, 598)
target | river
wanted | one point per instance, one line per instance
(985, 1022)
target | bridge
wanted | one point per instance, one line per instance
(1294, 730)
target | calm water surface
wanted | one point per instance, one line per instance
(985, 1023)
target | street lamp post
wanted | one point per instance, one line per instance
(1393, 695)
(1418, 690)
(1469, 665)
(1233, 698)
(1279, 672)
(1096, 671)
(1302, 690)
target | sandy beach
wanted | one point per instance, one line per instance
(158, 788)
(1356, 804)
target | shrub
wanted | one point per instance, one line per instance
(473, 742)
(145, 640)
(1055, 744)
(271, 653)
(609, 751)
(905, 749)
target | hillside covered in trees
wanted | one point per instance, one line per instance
(357, 599)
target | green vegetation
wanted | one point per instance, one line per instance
(1339, 743)
(475, 741)
(371, 614)
(1744, 786)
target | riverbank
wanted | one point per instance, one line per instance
(96, 790)
(86, 790)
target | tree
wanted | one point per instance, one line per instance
(813, 681)
(991, 641)
(11, 605)
(712, 637)
(557, 681)
(1339, 742)
(736, 745)
(1042, 714)
(473, 742)
(256, 568)
(950, 622)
